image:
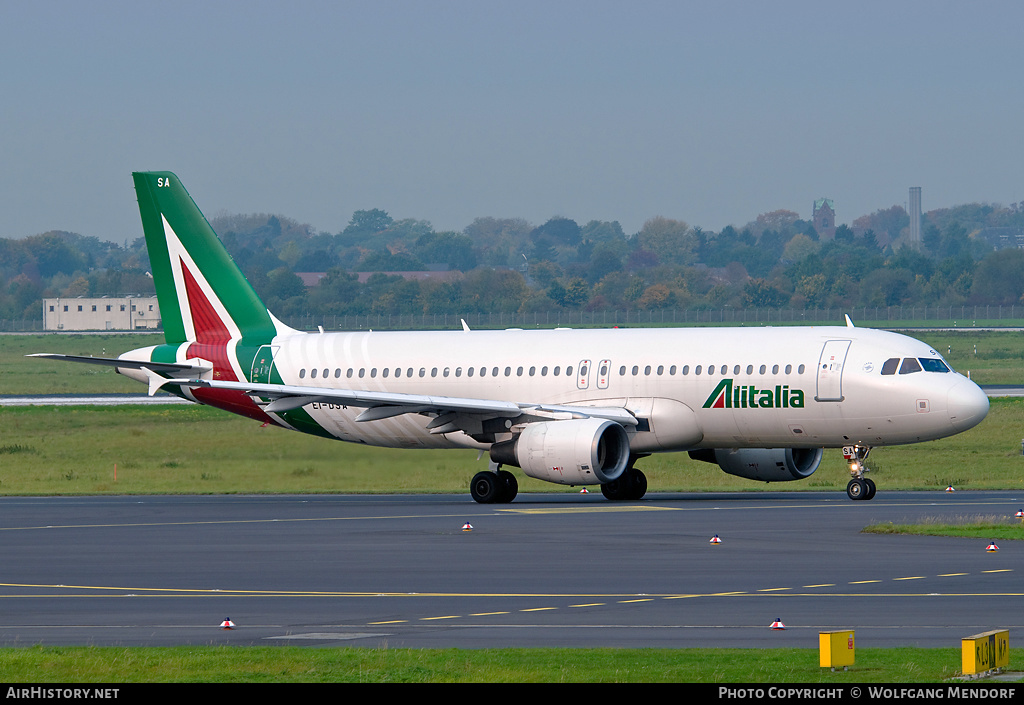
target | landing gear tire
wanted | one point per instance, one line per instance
(639, 485)
(485, 487)
(871, 489)
(630, 485)
(509, 484)
(856, 489)
(494, 487)
(860, 489)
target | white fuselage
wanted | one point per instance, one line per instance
(788, 387)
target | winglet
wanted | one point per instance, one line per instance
(465, 326)
(849, 323)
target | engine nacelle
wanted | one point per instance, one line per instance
(764, 464)
(572, 452)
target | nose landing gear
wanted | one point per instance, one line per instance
(859, 487)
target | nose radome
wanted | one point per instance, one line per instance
(966, 404)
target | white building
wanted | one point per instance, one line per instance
(106, 313)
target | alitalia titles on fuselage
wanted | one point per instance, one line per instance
(746, 396)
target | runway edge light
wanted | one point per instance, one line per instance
(777, 625)
(835, 648)
(467, 526)
(715, 539)
(227, 624)
(992, 548)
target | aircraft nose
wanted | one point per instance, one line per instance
(966, 404)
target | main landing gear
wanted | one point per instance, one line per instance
(630, 485)
(859, 487)
(494, 486)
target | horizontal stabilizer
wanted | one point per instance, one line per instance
(174, 367)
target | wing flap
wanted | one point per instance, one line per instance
(382, 405)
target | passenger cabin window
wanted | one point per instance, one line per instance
(890, 366)
(909, 366)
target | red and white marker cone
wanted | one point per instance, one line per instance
(950, 489)
(1020, 514)
(584, 491)
(467, 526)
(777, 625)
(992, 548)
(715, 539)
(227, 624)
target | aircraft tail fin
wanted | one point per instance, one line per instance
(203, 295)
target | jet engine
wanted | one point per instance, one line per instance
(572, 452)
(764, 464)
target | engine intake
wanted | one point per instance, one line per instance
(764, 464)
(573, 452)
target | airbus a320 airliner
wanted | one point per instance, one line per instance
(574, 407)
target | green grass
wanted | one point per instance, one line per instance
(349, 665)
(995, 528)
(22, 375)
(200, 450)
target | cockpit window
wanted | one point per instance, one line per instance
(909, 366)
(890, 365)
(930, 364)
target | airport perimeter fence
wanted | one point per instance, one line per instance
(875, 316)
(878, 316)
(25, 326)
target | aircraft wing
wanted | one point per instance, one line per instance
(451, 412)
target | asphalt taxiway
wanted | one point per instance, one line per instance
(546, 570)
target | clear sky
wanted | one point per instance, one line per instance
(446, 110)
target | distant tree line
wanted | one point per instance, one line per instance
(510, 265)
